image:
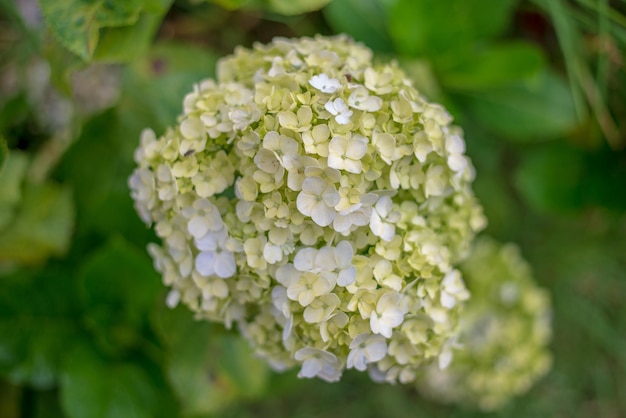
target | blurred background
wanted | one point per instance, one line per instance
(538, 86)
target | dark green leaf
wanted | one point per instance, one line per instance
(9, 399)
(231, 4)
(236, 361)
(97, 167)
(124, 44)
(77, 23)
(36, 326)
(92, 387)
(121, 286)
(208, 369)
(191, 366)
(4, 153)
(534, 110)
(15, 110)
(47, 405)
(42, 226)
(550, 178)
(603, 180)
(436, 28)
(494, 67)
(364, 20)
(155, 86)
(295, 7)
(11, 186)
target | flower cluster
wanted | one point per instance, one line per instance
(318, 202)
(504, 333)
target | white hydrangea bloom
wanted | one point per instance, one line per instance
(503, 340)
(320, 363)
(339, 110)
(383, 219)
(214, 258)
(317, 201)
(387, 314)
(360, 99)
(364, 349)
(346, 153)
(325, 84)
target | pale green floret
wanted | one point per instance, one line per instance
(504, 333)
(316, 200)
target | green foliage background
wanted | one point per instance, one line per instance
(539, 87)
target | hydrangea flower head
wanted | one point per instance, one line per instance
(314, 199)
(502, 347)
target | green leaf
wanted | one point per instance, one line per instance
(494, 67)
(42, 226)
(284, 7)
(191, 366)
(120, 287)
(97, 167)
(435, 28)
(125, 44)
(549, 179)
(47, 405)
(10, 397)
(231, 4)
(364, 20)
(77, 23)
(238, 364)
(11, 179)
(92, 387)
(4, 153)
(534, 110)
(156, 85)
(605, 172)
(208, 369)
(38, 322)
(295, 7)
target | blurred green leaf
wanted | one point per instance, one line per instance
(364, 20)
(47, 405)
(603, 180)
(42, 226)
(92, 387)
(423, 77)
(38, 322)
(4, 153)
(437, 28)
(500, 205)
(155, 85)
(295, 7)
(15, 110)
(125, 44)
(121, 286)
(9, 399)
(191, 366)
(77, 23)
(238, 364)
(596, 325)
(284, 7)
(231, 4)
(208, 368)
(534, 110)
(495, 66)
(99, 163)
(549, 178)
(11, 179)
(97, 167)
